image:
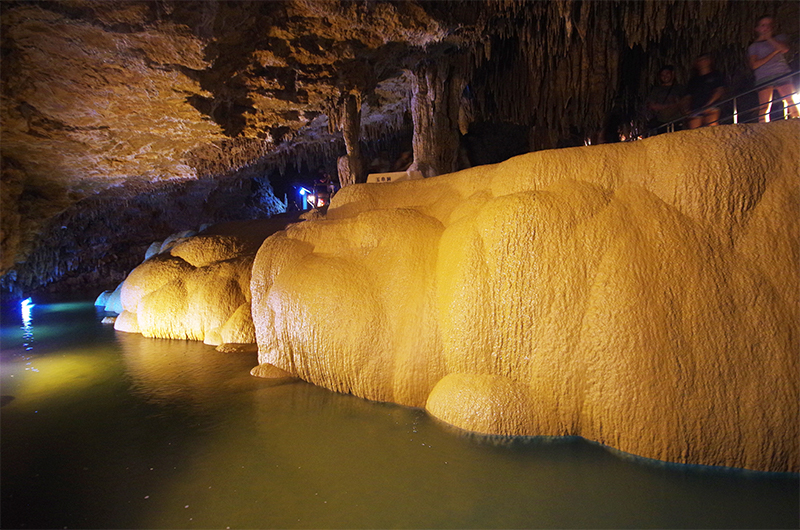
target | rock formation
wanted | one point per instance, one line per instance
(196, 287)
(96, 242)
(642, 295)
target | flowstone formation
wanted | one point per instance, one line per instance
(642, 295)
(194, 286)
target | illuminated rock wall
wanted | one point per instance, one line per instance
(643, 295)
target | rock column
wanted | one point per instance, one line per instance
(351, 166)
(435, 104)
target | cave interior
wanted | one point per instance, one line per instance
(126, 121)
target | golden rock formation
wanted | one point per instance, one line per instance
(642, 295)
(197, 287)
(167, 297)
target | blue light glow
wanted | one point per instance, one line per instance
(26, 307)
(27, 322)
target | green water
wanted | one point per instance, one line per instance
(112, 430)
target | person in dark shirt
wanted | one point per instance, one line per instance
(706, 87)
(664, 100)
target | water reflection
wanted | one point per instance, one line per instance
(178, 372)
(56, 366)
(36, 380)
(26, 308)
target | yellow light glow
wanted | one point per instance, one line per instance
(40, 378)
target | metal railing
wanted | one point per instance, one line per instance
(735, 111)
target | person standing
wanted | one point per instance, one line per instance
(705, 88)
(664, 99)
(768, 63)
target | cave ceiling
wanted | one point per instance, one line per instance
(125, 94)
(105, 91)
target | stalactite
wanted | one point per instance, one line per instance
(572, 51)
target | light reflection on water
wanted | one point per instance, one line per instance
(119, 431)
(26, 307)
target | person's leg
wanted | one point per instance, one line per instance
(786, 92)
(711, 117)
(694, 122)
(764, 103)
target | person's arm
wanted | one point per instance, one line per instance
(782, 47)
(777, 48)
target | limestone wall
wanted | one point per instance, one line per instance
(643, 295)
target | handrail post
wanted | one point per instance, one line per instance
(735, 111)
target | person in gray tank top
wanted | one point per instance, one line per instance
(768, 63)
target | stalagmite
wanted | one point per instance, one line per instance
(642, 295)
